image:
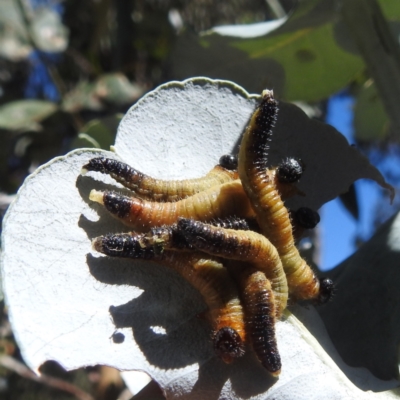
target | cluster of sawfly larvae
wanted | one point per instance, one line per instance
(228, 234)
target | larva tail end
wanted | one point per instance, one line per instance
(95, 164)
(97, 196)
(326, 290)
(123, 245)
(84, 171)
(275, 374)
(289, 170)
(97, 244)
(110, 245)
(267, 95)
(228, 344)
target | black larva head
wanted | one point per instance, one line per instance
(228, 345)
(289, 170)
(306, 218)
(228, 162)
(326, 290)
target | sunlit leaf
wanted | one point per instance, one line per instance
(371, 122)
(301, 58)
(48, 31)
(83, 96)
(116, 89)
(25, 114)
(14, 42)
(108, 89)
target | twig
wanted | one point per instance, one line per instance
(13, 365)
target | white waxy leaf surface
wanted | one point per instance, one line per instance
(69, 304)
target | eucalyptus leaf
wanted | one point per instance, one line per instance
(301, 58)
(83, 140)
(366, 332)
(371, 123)
(107, 89)
(14, 39)
(116, 89)
(391, 8)
(379, 49)
(86, 309)
(48, 31)
(83, 96)
(97, 133)
(25, 114)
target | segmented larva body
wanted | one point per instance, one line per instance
(240, 245)
(259, 305)
(272, 215)
(204, 273)
(217, 202)
(170, 237)
(150, 188)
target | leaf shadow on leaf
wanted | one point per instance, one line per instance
(366, 332)
(169, 302)
(189, 58)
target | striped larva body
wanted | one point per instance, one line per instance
(204, 273)
(272, 215)
(240, 245)
(217, 202)
(150, 188)
(170, 237)
(259, 305)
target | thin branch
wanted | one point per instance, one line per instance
(13, 365)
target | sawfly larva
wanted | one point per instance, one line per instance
(259, 305)
(271, 213)
(217, 202)
(170, 237)
(150, 188)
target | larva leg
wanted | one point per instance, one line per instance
(259, 305)
(240, 245)
(272, 215)
(217, 202)
(207, 275)
(163, 190)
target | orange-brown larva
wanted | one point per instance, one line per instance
(150, 188)
(204, 273)
(272, 215)
(219, 201)
(245, 246)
